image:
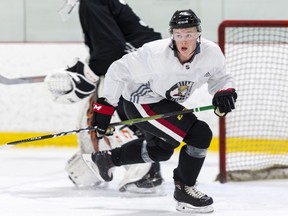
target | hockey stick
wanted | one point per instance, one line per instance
(21, 80)
(126, 122)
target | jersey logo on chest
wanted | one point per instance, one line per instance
(180, 91)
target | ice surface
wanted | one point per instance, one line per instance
(33, 182)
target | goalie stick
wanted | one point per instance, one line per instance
(126, 122)
(21, 80)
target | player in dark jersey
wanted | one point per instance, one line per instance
(111, 29)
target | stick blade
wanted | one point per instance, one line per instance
(4, 80)
(6, 146)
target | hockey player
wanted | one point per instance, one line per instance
(111, 29)
(153, 80)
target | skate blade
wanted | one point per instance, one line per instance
(92, 166)
(132, 190)
(187, 208)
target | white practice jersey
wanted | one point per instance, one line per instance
(153, 73)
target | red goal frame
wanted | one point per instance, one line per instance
(222, 177)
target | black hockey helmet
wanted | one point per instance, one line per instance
(184, 19)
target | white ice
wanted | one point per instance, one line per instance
(33, 182)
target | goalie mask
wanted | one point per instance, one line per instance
(184, 19)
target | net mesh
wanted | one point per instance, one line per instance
(257, 131)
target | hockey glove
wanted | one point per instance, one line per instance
(102, 115)
(72, 84)
(224, 101)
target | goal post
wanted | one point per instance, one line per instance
(253, 139)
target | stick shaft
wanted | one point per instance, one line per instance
(165, 115)
(126, 122)
(21, 80)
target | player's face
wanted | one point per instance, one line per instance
(185, 40)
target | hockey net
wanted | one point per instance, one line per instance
(254, 137)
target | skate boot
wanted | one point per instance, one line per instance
(150, 183)
(100, 163)
(191, 200)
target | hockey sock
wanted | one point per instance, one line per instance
(188, 168)
(129, 153)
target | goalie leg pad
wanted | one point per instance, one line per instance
(133, 173)
(139, 178)
(143, 178)
(80, 174)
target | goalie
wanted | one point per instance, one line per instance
(111, 29)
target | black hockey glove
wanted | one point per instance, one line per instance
(102, 115)
(224, 101)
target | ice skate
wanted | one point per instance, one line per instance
(101, 164)
(190, 200)
(150, 183)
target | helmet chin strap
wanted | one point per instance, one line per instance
(198, 42)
